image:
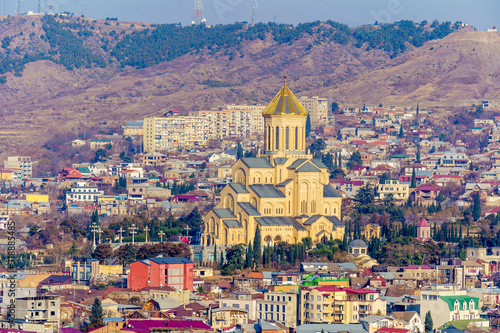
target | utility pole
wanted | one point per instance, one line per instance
(146, 229)
(133, 231)
(161, 234)
(121, 234)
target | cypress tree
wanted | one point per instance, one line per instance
(96, 314)
(418, 156)
(239, 151)
(401, 132)
(476, 207)
(429, 325)
(249, 256)
(215, 256)
(340, 160)
(413, 178)
(257, 250)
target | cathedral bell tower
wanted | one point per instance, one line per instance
(284, 125)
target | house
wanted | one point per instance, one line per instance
(426, 194)
(158, 326)
(412, 320)
(449, 308)
(225, 317)
(374, 323)
(241, 300)
(398, 190)
(176, 272)
(279, 307)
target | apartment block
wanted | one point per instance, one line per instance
(339, 305)
(170, 133)
(256, 118)
(279, 307)
(318, 110)
(81, 192)
(39, 314)
(229, 123)
(399, 191)
(22, 165)
(176, 272)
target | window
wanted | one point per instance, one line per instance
(277, 137)
(287, 138)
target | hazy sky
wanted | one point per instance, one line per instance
(485, 13)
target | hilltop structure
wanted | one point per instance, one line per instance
(284, 191)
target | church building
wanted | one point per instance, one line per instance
(284, 191)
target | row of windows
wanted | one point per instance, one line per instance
(271, 307)
(282, 298)
(270, 316)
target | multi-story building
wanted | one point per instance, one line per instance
(284, 191)
(222, 318)
(449, 306)
(82, 269)
(176, 272)
(399, 191)
(339, 305)
(22, 165)
(228, 123)
(38, 314)
(279, 307)
(256, 119)
(318, 110)
(160, 134)
(241, 300)
(81, 192)
(133, 128)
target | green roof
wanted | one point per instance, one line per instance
(399, 156)
(461, 324)
(83, 169)
(450, 300)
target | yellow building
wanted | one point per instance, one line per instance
(339, 305)
(399, 191)
(37, 198)
(371, 230)
(284, 191)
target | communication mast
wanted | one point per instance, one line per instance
(83, 8)
(254, 8)
(198, 12)
(4, 8)
(19, 7)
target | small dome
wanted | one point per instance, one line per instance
(357, 243)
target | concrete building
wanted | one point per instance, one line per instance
(229, 123)
(39, 314)
(279, 307)
(257, 121)
(241, 300)
(81, 192)
(318, 110)
(225, 317)
(339, 305)
(176, 272)
(176, 132)
(284, 191)
(82, 269)
(399, 191)
(448, 308)
(22, 165)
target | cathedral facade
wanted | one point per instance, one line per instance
(284, 191)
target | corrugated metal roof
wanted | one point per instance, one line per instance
(232, 223)
(330, 192)
(279, 220)
(307, 167)
(224, 213)
(256, 162)
(171, 260)
(238, 188)
(335, 220)
(267, 191)
(248, 208)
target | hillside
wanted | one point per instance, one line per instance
(370, 65)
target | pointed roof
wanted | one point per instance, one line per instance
(284, 103)
(423, 223)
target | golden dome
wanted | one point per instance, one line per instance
(284, 103)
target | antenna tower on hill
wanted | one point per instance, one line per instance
(83, 9)
(19, 7)
(254, 8)
(198, 12)
(4, 8)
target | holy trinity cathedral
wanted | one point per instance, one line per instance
(284, 190)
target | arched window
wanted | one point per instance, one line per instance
(296, 138)
(277, 138)
(269, 138)
(287, 138)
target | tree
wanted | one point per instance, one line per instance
(96, 314)
(308, 125)
(364, 200)
(235, 259)
(334, 107)
(239, 151)
(418, 157)
(257, 247)
(429, 325)
(249, 257)
(102, 252)
(126, 254)
(355, 160)
(401, 132)
(413, 179)
(73, 249)
(417, 109)
(476, 207)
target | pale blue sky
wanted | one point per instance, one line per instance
(352, 12)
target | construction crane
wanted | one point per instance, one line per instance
(254, 8)
(198, 12)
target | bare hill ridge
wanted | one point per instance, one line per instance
(48, 98)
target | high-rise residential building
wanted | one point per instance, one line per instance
(22, 165)
(256, 119)
(228, 123)
(284, 191)
(318, 110)
(168, 133)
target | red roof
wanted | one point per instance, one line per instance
(446, 176)
(494, 211)
(144, 326)
(423, 223)
(428, 187)
(347, 289)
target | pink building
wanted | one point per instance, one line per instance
(176, 272)
(423, 230)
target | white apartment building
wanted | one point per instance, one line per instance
(256, 118)
(160, 134)
(22, 165)
(228, 123)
